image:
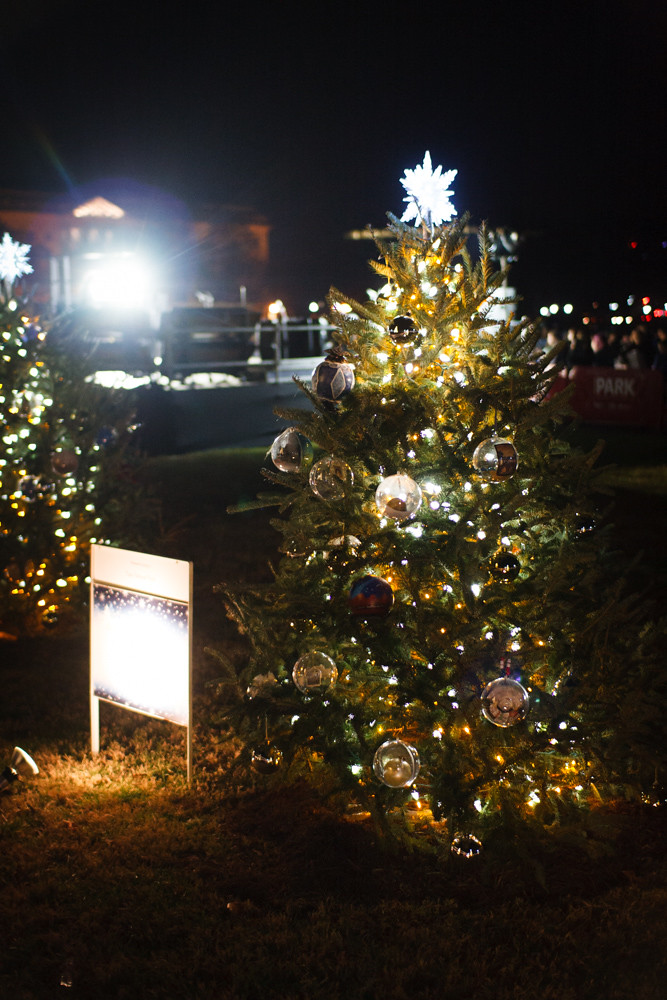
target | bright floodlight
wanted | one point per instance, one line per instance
(21, 765)
(126, 283)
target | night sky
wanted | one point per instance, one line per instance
(553, 114)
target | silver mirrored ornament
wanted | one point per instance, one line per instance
(291, 451)
(495, 459)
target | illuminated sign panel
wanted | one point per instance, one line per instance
(140, 636)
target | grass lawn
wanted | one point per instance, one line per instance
(121, 881)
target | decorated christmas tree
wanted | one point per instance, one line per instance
(437, 645)
(63, 474)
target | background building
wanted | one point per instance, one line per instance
(122, 245)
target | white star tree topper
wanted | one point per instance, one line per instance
(13, 259)
(428, 194)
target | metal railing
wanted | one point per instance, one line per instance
(268, 350)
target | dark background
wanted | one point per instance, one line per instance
(553, 115)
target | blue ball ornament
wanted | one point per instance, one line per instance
(371, 596)
(333, 378)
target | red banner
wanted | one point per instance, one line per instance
(623, 396)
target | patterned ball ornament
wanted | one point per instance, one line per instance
(314, 673)
(398, 497)
(495, 459)
(371, 597)
(333, 378)
(403, 331)
(64, 462)
(291, 451)
(396, 764)
(505, 566)
(265, 759)
(331, 478)
(505, 702)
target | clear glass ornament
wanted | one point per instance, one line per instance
(265, 759)
(331, 478)
(505, 566)
(314, 673)
(495, 459)
(466, 845)
(34, 488)
(50, 618)
(262, 685)
(341, 551)
(398, 497)
(291, 451)
(505, 702)
(396, 764)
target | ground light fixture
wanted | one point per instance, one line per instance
(21, 765)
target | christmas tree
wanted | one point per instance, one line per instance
(436, 646)
(63, 472)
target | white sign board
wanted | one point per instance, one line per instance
(141, 637)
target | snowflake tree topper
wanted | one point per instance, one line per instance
(13, 259)
(428, 194)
